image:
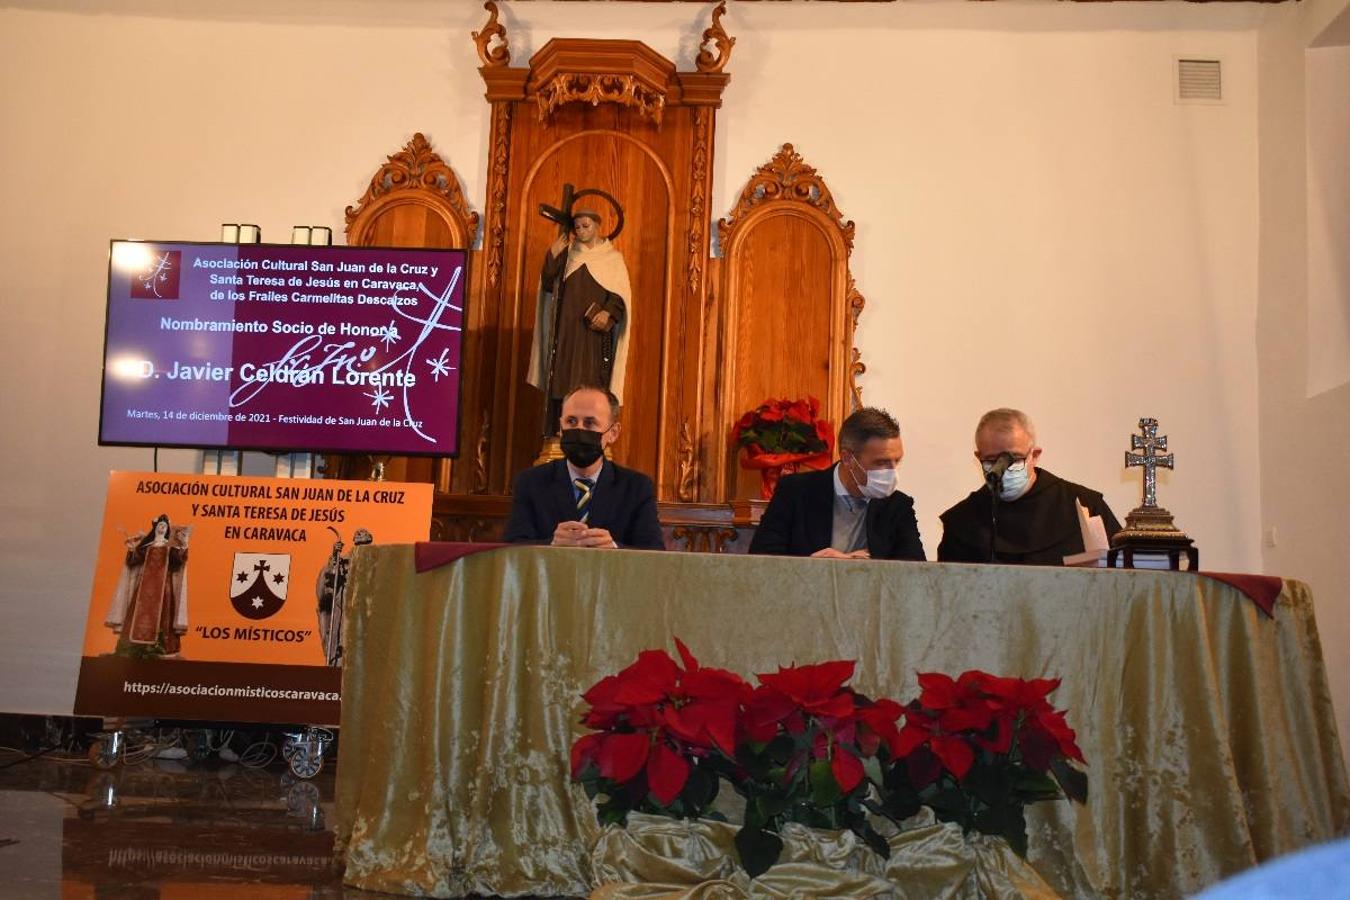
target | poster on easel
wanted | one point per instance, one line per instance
(221, 598)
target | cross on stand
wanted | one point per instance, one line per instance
(1149, 529)
(1149, 460)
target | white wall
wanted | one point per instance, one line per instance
(1328, 132)
(1038, 224)
(1305, 440)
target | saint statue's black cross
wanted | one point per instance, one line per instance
(562, 213)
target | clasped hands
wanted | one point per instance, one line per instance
(579, 534)
(831, 553)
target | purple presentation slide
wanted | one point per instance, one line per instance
(281, 347)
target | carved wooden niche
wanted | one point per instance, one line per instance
(414, 200)
(787, 306)
(613, 116)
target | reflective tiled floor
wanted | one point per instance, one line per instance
(163, 829)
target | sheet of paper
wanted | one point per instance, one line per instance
(1094, 530)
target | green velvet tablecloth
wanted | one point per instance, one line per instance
(1207, 725)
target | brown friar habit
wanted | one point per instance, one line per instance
(570, 284)
(1039, 528)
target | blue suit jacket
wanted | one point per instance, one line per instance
(624, 502)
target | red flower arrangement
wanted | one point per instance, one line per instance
(805, 747)
(781, 437)
(978, 748)
(657, 725)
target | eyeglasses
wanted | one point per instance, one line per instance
(1018, 464)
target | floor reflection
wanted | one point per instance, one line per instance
(165, 829)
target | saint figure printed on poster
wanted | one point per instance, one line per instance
(331, 591)
(148, 612)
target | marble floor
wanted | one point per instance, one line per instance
(165, 829)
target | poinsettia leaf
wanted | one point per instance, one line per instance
(872, 767)
(824, 789)
(611, 815)
(1015, 830)
(759, 850)
(1073, 781)
(1031, 786)
(701, 788)
(879, 844)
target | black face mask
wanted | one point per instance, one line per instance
(581, 446)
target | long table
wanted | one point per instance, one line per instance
(1207, 724)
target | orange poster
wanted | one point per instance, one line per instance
(219, 597)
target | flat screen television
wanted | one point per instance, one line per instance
(283, 348)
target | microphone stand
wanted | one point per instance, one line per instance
(995, 486)
(993, 480)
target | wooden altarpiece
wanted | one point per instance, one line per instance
(710, 338)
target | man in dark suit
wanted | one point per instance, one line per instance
(584, 500)
(852, 509)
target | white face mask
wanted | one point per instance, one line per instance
(1016, 482)
(875, 484)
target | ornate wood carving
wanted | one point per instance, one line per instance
(497, 172)
(687, 486)
(787, 306)
(855, 367)
(786, 177)
(625, 90)
(626, 73)
(480, 457)
(707, 61)
(704, 538)
(499, 55)
(414, 172)
(698, 198)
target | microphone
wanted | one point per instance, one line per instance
(993, 479)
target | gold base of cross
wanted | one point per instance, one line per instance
(1149, 529)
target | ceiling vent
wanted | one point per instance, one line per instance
(1199, 81)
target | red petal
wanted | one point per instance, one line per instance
(621, 756)
(939, 691)
(667, 773)
(767, 707)
(583, 751)
(965, 719)
(690, 664)
(847, 769)
(955, 754)
(648, 680)
(911, 737)
(719, 721)
(840, 706)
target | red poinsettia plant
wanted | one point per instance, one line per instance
(978, 748)
(660, 733)
(783, 436)
(807, 743)
(804, 746)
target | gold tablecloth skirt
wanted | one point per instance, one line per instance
(1207, 726)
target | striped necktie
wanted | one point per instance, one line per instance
(584, 487)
